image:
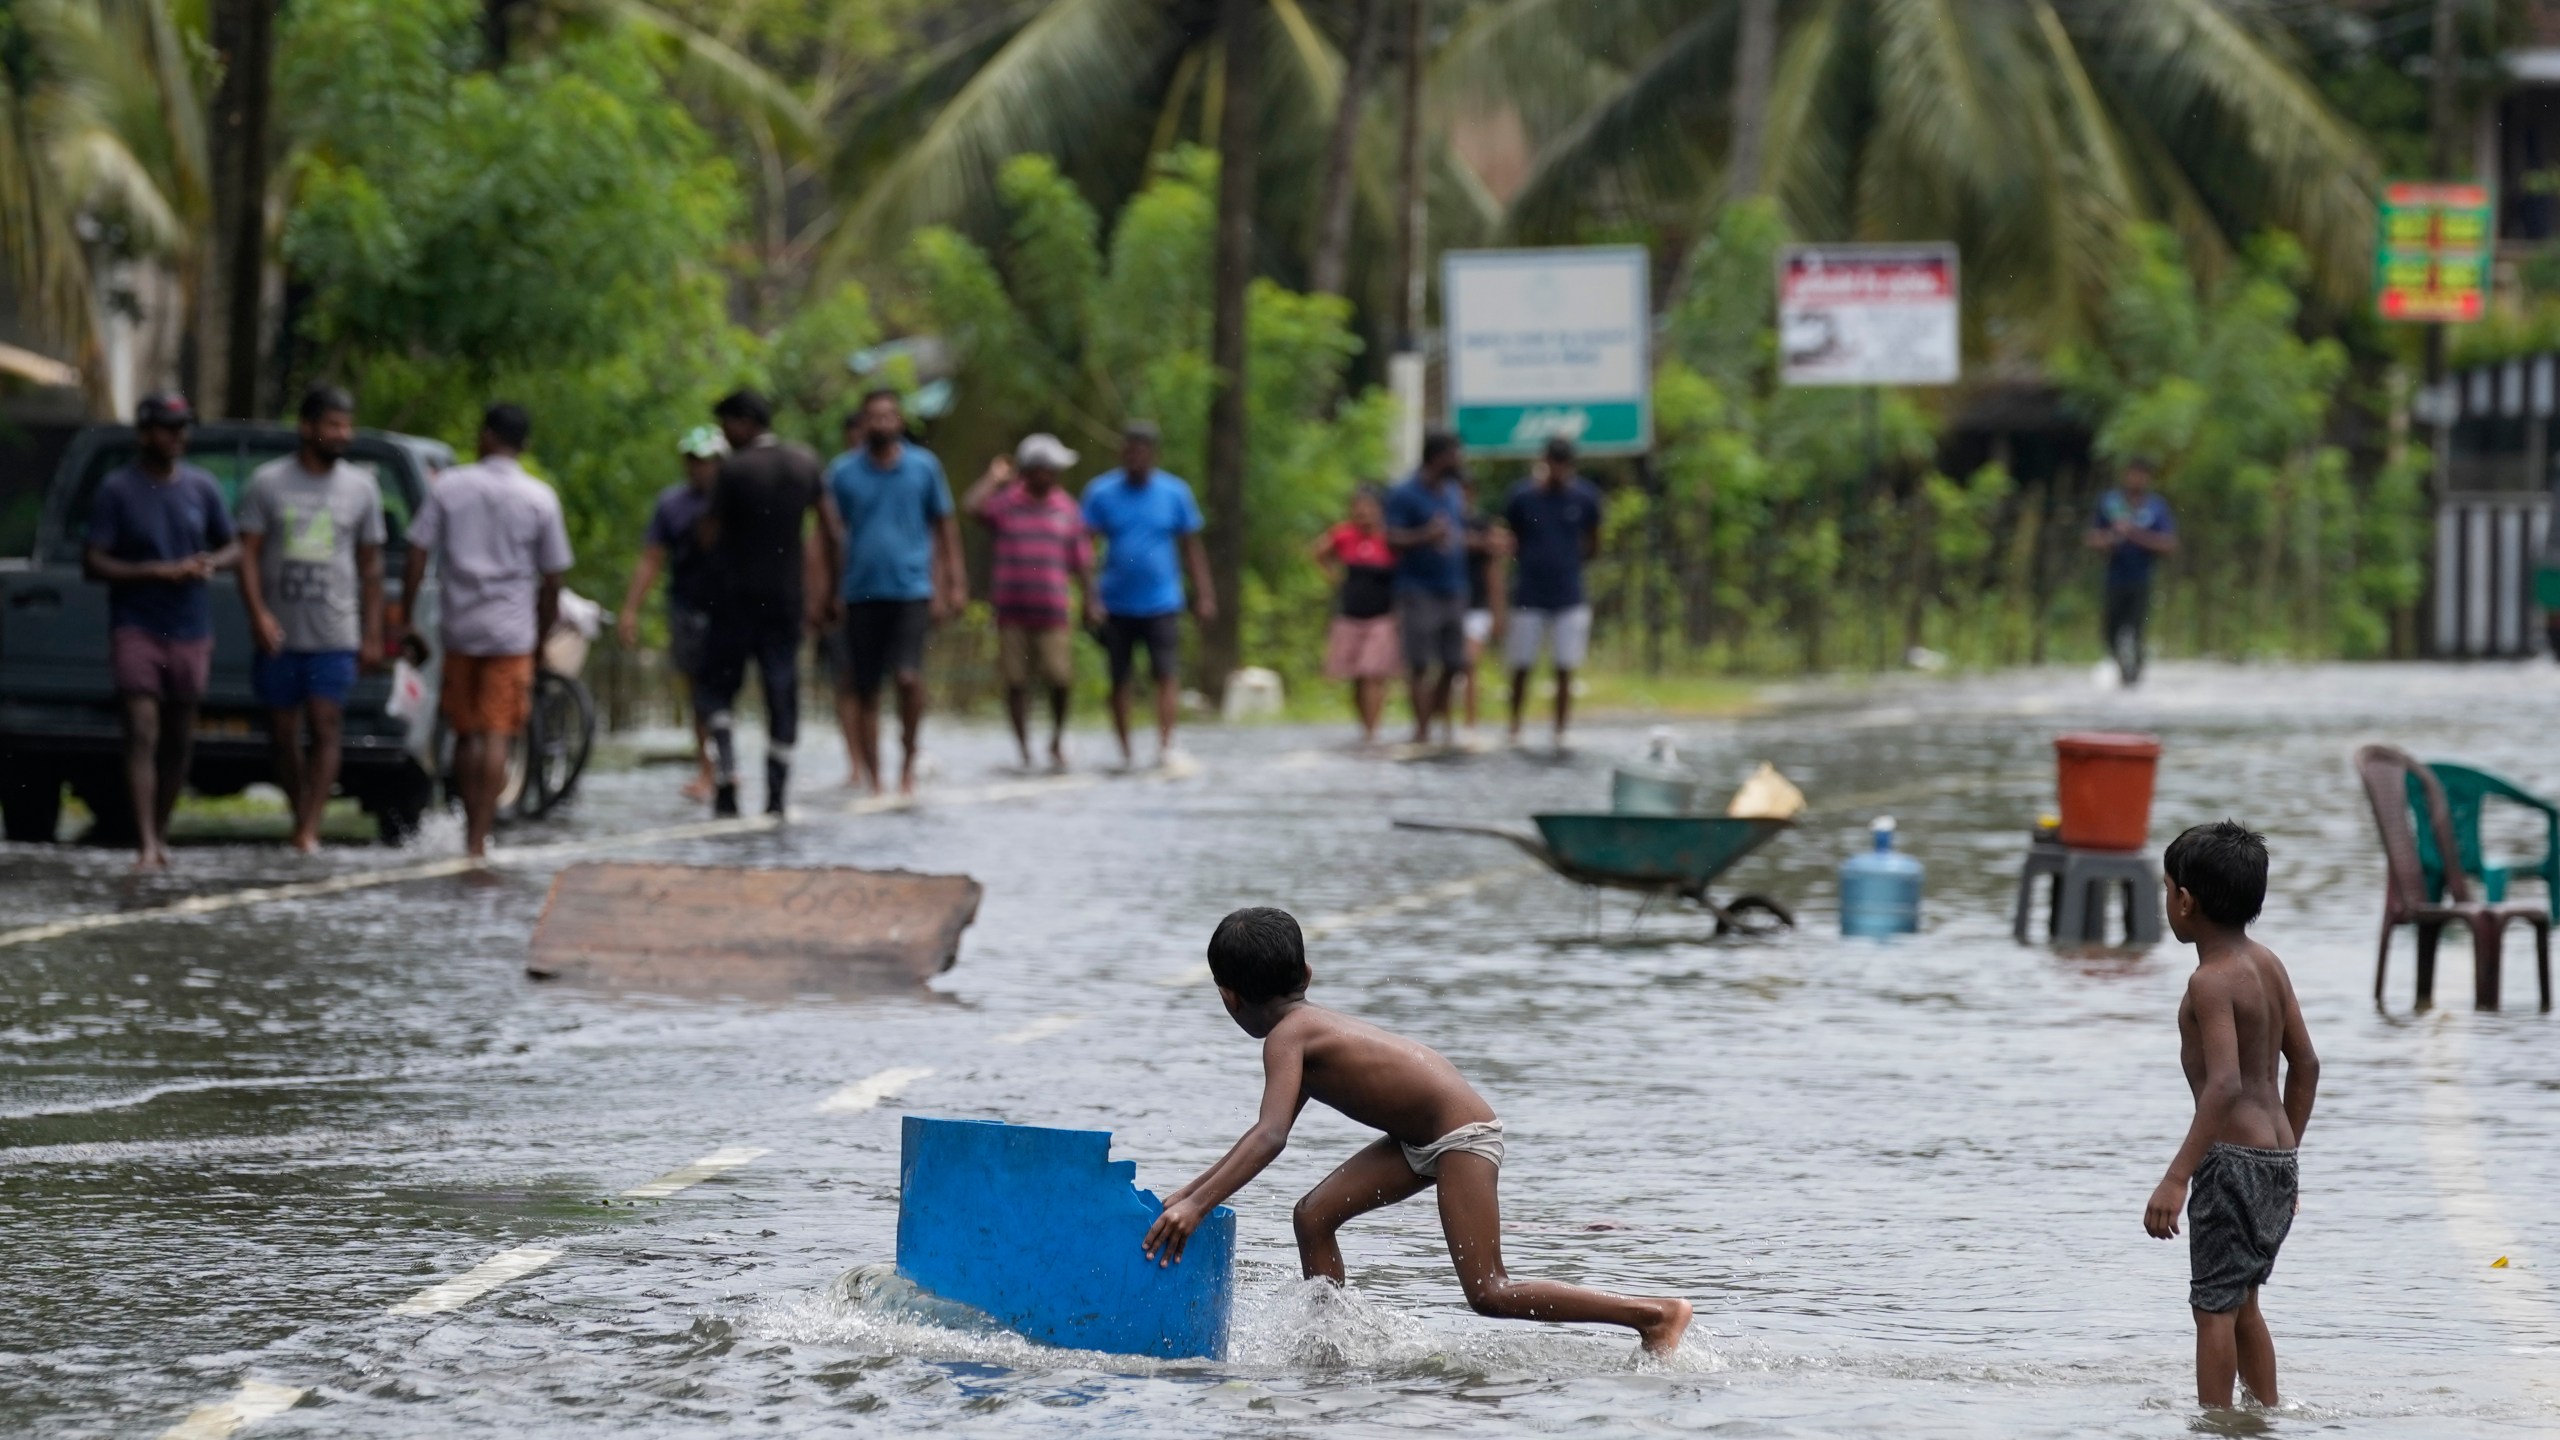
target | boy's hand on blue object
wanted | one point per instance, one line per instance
(2160, 1217)
(1171, 1231)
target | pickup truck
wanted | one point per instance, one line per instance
(59, 725)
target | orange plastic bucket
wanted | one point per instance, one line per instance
(2104, 782)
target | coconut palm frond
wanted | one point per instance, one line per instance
(1661, 138)
(1813, 124)
(1552, 60)
(1073, 69)
(711, 65)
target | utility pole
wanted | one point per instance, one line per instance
(2444, 143)
(232, 311)
(1409, 233)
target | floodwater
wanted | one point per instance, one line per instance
(1903, 1183)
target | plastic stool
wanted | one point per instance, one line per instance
(2077, 904)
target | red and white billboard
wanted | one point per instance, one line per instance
(1868, 315)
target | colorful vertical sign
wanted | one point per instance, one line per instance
(2433, 263)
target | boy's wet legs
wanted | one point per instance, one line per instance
(1471, 1215)
(2234, 1342)
(1376, 1176)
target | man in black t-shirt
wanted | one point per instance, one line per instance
(754, 532)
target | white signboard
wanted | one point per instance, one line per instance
(1549, 342)
(1868, 315)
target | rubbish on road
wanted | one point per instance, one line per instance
(2081, 881)
(1661, 856)
(1658, 786)
(1767, 795)
(2466, 793)
(2387, 774)
(2498, 1264)
(1253, 691)
(1880, 888)
(1040, 1230)
(695, 927)
(2104, 781)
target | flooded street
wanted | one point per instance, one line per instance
(1903, 1183)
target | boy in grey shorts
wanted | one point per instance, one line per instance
(2235, 1176)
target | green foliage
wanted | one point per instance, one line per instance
(2281, 549)
(1055, 331)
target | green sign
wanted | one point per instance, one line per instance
(1520, 429)
(1549, 342)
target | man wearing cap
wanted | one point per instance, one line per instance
(2135, 528)
(672, 547)
(902, 571)
(1554, 518)
(1427, 526)
(157, 532)
(1040, 555)
(1146, 518)
(500, 549)
(756, 530)
(311, 535)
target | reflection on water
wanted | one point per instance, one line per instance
(1902, 1182)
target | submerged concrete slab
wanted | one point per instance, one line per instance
(758, 931)
(1040, 1230)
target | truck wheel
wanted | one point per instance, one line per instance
(111, 804)
(31, 804)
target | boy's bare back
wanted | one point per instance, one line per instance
(1374, 1076)
(2242, 990)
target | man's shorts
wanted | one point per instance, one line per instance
(289, 678)
(687, 630)
(148, 664)
(1433, 629)
(1479, 626)
(2239, 1208)
(1565, 632)
(487, 694)
(1122, 635)
(1047, 654)
(880, 638)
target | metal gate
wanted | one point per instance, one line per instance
(2487, 546)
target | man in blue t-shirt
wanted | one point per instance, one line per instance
(902, 571)
(158, 531)
(1149, 527)
(2134, 527)
(1427, 526)
(1554, 517)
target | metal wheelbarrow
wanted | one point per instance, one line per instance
(1658, 856)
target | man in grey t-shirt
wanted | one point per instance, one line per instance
(311, 535)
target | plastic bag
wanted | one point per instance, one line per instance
(1767, 795)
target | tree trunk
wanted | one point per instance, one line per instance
(231, 312)
(1409, 229)
(1754, 57)
(1222, 645)
(1333, 234)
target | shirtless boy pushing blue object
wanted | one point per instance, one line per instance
(2238, 1016)
(1438, 1130)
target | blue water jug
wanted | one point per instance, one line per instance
(1880, 890)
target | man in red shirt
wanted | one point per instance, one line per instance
(1042, 564)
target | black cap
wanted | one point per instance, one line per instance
(1560, 449)
(1142, 430)
(164, 407)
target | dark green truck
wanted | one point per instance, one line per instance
(58, 717)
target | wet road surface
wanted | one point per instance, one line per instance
(325, 1162)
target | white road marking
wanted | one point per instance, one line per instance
(256, 1400)
(2473, 1210)
(1324, 925)
(195, 905)
(862, 1094)
(477, 1281)
(727, 1157)
(1040, 1029)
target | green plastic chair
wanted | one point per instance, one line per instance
(2465, 791)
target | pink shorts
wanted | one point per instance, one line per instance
(148, 664)
(1363, 649)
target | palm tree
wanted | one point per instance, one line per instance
(102, 177)
(2032, 132)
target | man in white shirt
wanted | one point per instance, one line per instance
(500, 550)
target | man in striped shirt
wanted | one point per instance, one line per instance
(1040, 553)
